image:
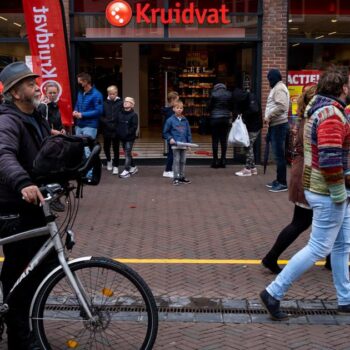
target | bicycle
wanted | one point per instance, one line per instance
(88, 302)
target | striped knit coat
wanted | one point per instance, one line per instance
(326, 147)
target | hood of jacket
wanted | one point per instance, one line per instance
(274, 76)
(320, 101)
(219, 86)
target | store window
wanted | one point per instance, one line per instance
(12, 20)
(319, 19)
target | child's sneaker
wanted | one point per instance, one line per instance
(115, 170)
(185, 181)
(124, 174)
(254, 171)
(244, 172)
(176, 182)
(133, 170)
(109, 165)
(168, 174)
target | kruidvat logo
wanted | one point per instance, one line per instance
(119, 13)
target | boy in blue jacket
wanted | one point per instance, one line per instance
(177, 129)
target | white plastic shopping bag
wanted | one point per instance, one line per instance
(238, 135)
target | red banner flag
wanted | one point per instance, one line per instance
(48, 45)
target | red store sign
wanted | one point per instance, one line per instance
(119, 13)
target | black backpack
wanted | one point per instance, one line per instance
(253, 104)
(61, 156)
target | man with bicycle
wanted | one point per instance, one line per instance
(22, 130)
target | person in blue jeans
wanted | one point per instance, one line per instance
(88, 111)
(326, 185)
(177, 129)
(276, 118)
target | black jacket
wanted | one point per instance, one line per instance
(20, 139)
(127, 125)
(220, 102)
(52, 114)
(109, 118)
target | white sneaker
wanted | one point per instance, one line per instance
(124, 174)
(133, 170)
(168, 174)
(109, 165)
(244, 172)
(115, 170)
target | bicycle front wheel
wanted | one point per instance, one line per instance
(122, 304)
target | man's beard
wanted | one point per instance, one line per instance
(34, 101)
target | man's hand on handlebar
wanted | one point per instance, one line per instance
(32, 194)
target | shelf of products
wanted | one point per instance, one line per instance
(195, 84)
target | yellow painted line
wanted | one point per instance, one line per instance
(197, 261)
(201, 261)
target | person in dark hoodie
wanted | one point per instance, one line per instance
(126, 131)
(22, 129)
(220, 107)
(276, 118)
(109, 120)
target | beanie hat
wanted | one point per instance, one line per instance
(274, 76)
(130, 99)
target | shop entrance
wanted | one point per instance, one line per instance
(191, 69)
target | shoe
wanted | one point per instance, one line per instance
(278, 188)
(109, 165)
(133, 170)
(271, 184)
(271, 265)
(254, 171)
(328, 264)
(244, 172)
(222, 163)
(185, 181)
(177, 182)
(344, 309)
(115, 170)
(214, 164)
(272, 306)
(58, 206)
(124, 174)
(168, 174)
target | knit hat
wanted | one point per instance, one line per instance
(130, 99)
(14, 73)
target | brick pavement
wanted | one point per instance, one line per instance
(218, 216)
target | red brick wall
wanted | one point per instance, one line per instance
(275, 48)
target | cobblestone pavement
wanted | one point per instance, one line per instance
(218, 216)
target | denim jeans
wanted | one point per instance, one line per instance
(129, 161)
(278, 135)
(330, 234)
(169, 159)
(179, 162)
(86, 131)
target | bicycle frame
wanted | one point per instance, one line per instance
(54, 241)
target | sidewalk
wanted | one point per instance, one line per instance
(218, 217)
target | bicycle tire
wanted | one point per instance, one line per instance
(121, 299)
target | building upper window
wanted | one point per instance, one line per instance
(319, 19)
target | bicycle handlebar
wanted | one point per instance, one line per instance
(92, 158)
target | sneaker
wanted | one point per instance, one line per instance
(133, 170)
(244, 172)
(271, 265)
(115, 170)
(278, 188)
(109, 166)
(124, 174)
(254, 171)
(177, 182)
(168, 174)
(185, 181)
(271, 184)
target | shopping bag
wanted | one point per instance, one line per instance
(238, 135)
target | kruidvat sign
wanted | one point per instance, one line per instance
(119, 14)
(48, 46)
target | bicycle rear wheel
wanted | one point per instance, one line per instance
(118, 297)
